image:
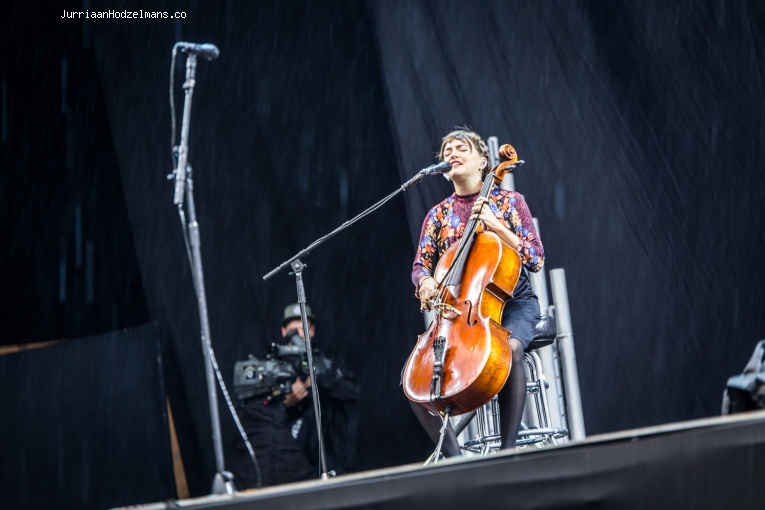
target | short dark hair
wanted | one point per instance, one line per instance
(471, 138)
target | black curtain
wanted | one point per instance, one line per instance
(640, 126)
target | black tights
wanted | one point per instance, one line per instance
(512, 398)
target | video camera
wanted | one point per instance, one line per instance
(273, 375)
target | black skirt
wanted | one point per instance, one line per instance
(521, 313)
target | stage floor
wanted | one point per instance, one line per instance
(715, 463)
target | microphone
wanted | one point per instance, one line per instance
(438, 168)
(207, 50)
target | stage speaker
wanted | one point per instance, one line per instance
(746, 391)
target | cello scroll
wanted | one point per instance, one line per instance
(509, 161)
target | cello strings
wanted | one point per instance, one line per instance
(463, 248)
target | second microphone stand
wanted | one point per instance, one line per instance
(222, 482)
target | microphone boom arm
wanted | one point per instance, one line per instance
(433, 169)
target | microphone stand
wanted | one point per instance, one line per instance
(223, 480)
(297, 267)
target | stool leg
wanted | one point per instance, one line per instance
(542, 381)
(532, 387)
(483, 429)
(538, 379)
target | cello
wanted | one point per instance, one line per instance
(463, 359)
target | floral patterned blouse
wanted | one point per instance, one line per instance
(445, 224)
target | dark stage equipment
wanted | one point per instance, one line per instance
(71, 410)
(746, 391)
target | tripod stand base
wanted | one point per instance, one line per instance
(223, 483)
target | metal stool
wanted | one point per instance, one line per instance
(487, 417)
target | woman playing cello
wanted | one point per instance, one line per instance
(506, 214)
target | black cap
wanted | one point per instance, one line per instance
(293, 312)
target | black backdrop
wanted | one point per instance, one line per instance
(641, 127)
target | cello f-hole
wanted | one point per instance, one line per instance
(470, 314)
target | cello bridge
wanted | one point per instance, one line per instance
(447, 310)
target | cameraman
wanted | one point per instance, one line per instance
(282, 429)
